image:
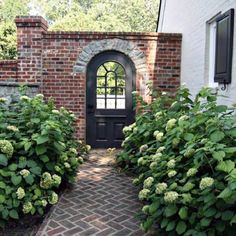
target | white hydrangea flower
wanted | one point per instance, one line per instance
(88, 148)
(184, 117)
(73, 150)
(55, 112)
(140, 161)
(3, 100)
(53, 198)
(160, 149)
(206, 182)
(126, 129)
(6, 148)
(56, 179)
(20, 193)
(27, 207)
(157, 157)
(160, 188)
(153, 166)
(171, 164)
(135, 181)
(143, 194)
(44, 203)
(24, 98)
(40, 96)
(145, 209)
(148, 182)
(172, 173)
(12, 128)
(164, 93)
(24, 172)
(170, 124)
(67, 165)
(171, 196)
(191, 172)
(159, 136)
(143, 148)
(158, 114)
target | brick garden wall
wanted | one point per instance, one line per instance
(56, 61)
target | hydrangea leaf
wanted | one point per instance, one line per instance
(171, 225)
(3, 160)
(29, 179)
(16, 179)
(225, 193)
(42, 139)
(13, 214)
(183, 213)
(227, 215)
(40, 149)
(170, 210)
(181, 227)
(205, 222)
(225, 166)
(217, 136)
(233, 220)
(219, 155)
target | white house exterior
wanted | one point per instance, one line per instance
(196, 20)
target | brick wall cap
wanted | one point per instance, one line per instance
(31, 21)
(92, 34)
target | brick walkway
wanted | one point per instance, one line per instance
(103, 202)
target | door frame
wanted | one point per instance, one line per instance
(88, 77)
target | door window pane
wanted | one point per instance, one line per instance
(101, 81)
(120, 104)
(100, 103)
(111, 103)
(110, 88)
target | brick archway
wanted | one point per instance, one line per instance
(96, 47)
(126, 47)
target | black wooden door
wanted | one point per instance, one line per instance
(110, 82)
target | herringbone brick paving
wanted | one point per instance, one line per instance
(103, 202)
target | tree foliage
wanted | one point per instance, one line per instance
(9, 9)
(77, 15)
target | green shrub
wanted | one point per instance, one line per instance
(38, 152)
(183, 151)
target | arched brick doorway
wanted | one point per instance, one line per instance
(110, 82)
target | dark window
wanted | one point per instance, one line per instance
(224, 47)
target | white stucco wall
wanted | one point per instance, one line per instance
(190, 18)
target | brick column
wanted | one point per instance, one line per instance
(29, 47)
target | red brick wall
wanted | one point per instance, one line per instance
(49, 59)
(8, 70)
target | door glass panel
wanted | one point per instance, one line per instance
(101, 71)
(101, 92)
(121, 81)
(121, 92)
(111, 79)
(120, 104)
(101, 81)
(111, 103)
(111, 86)
(100, 103)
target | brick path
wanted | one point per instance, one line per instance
(103, 202)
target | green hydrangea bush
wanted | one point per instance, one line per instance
(38, 153)
(183, 152)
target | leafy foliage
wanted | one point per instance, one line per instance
(38, 152)
(9, 9)
(184, 153)
(74, 15)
